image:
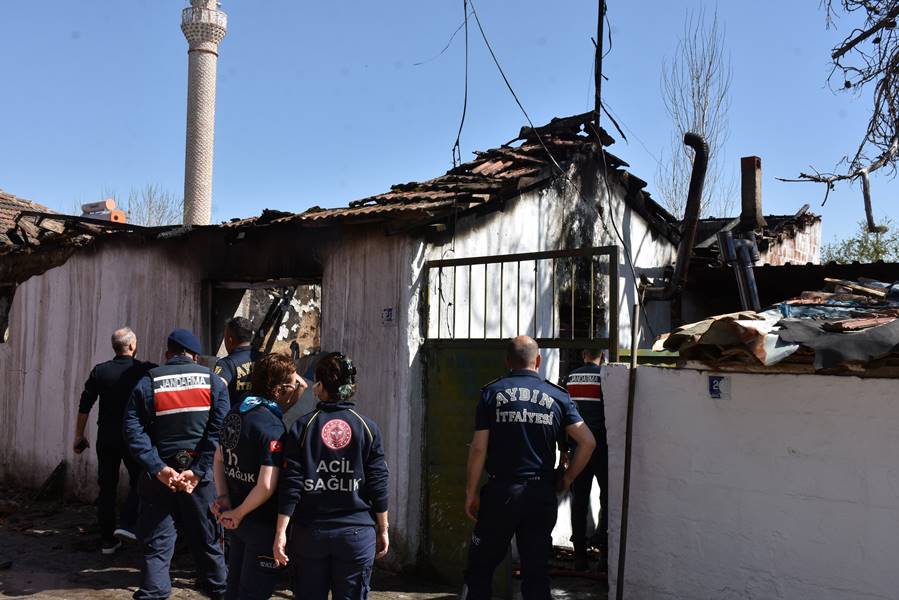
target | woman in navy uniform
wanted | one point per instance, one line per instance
(246, 475)
(334, 491)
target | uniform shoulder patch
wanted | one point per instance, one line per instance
(489, 383)
(558, 387)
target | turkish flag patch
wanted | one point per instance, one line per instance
(274, 446)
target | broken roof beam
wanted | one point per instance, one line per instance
(572, 126)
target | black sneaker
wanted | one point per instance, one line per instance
(108, 547)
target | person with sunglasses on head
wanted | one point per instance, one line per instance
(246, 475)
(333, 492)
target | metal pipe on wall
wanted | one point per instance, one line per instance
(628, 440)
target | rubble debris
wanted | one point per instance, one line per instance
(867, 291)
(850, 326)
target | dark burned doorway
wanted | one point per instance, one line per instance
(286, 313)
(286, 316)
(567, 300)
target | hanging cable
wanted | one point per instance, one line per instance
(563, 172)
(457, 149)
(445, 48)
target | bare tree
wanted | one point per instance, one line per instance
(696, 92)
(867, 58)
(149, 206)
(153, 207)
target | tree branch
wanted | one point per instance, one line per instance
(890, 18)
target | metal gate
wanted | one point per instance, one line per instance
(569, 300)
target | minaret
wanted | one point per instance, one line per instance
(204, 26)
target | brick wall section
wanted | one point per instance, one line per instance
(800, 248)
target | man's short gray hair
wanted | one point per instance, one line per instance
(122, 338)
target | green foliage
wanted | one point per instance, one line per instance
(865, 247)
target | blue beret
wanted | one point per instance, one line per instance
(186, 339)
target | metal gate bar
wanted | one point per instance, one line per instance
(554, 339)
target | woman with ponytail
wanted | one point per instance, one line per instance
(333, 492)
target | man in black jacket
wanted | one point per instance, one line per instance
(112, 381)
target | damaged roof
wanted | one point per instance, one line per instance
(529, 161)
(847, 327)
(778, 228)
(10, 209)
(493, 176)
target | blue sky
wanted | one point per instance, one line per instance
(321, 103)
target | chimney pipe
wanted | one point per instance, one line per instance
(204, 26)
(751, 218)
(691, 221)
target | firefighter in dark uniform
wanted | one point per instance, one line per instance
(519, 422)
(585, 387)
(172, 428)
(247, 465)
(236, 367)
(333, 490)
(112, 381)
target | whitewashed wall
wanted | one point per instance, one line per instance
(364, 275)
(650, 255)
(540, 220)
(60, 326)
(786, 488)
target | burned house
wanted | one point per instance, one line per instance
(547, 235)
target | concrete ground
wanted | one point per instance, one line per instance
(51, 550)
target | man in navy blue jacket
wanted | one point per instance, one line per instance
(334, 490)
(235, 368)
(172, 428)
(584, 384)
(519, 422)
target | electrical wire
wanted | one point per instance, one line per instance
(457, 149)
(627, 253)
(445, 48)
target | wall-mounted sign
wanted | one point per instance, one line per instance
(388, 317)
(719, 387)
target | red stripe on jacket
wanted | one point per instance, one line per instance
(195, 398)
(585, 390)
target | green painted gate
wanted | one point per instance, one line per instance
(455, 376)
(458, 365)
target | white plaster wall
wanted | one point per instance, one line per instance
(363, 275)
(650, 254)
(60, 326)
(533, 222)
(786, 489)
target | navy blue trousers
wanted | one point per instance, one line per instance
(252, 573)
(597, 468)
(336, 559)
(156, 531)
(525, 510)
